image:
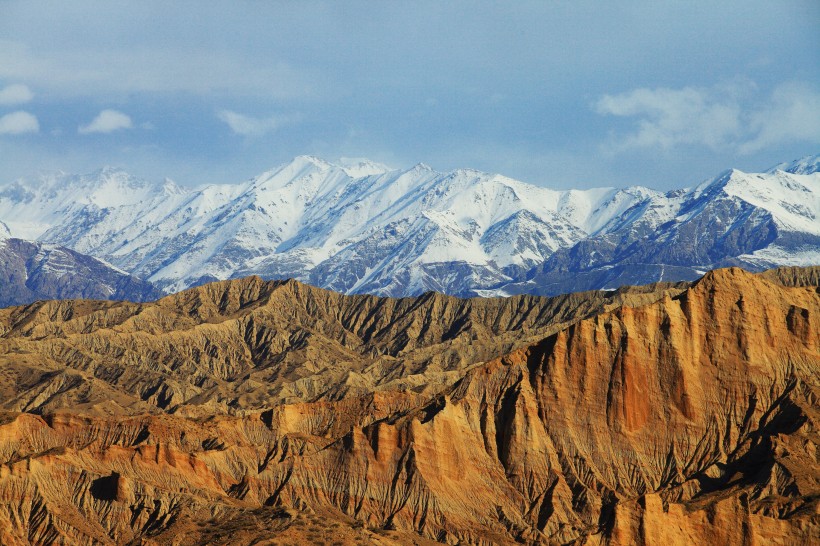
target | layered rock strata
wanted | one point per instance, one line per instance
(275, 413)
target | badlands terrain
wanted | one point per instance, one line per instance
(273, 412)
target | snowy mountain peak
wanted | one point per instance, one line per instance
(309, 162)
(420, 167)
(470, 173)
(360, 167)
(112, 187)
(297, 168)
(358, 226)
(715, 183)
(793, 201)
(805, 165)
(107, 177)
(303, 165)
(172, 188)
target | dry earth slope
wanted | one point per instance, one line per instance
(273, 413)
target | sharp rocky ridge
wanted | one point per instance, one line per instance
(355, 226)
(272, 412)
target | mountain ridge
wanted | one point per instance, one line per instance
(31, 271)
(403, 232)
(667, 414)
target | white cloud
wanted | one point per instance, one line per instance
(17, 123)
(724, 117)
(249, 126)
(792, 114)
(668, 117)
(15, 94)
(106, 122)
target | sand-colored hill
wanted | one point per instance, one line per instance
(273, 413)
(247, 344)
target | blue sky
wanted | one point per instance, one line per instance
(559, 94)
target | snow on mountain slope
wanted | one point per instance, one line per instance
(360, 167)
(397, 230)
(358, 226)
(792, 199)
(805, 165)
(364, 224)
(753, 220)
(30, 208)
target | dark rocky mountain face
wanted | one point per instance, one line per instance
(261, 412)
(31, 271)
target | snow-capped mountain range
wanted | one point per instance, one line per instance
(360, 227)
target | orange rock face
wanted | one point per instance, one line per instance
(275, 413)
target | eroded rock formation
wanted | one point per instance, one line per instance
(275, 412)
